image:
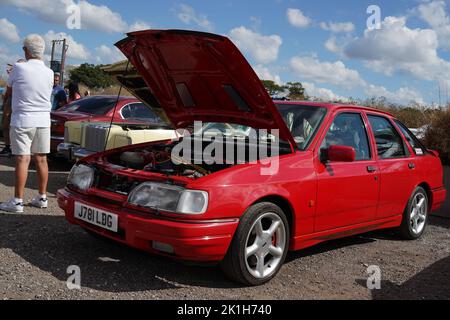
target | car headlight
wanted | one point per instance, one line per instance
(169, 198)
(81, 177)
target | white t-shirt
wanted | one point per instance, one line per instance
(32, 85)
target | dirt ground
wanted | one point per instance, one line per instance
(37, 247)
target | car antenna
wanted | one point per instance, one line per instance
(115, 107)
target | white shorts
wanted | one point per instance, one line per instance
(28, 141)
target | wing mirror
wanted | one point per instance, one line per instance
(340, 154)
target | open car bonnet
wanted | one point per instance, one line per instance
(187, 76)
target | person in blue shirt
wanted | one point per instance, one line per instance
(59, 96)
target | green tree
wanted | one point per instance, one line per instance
(273, 88)
(296, 91)
(92, 76)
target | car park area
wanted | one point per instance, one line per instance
(36, 249)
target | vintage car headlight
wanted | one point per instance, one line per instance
(81, 177)
(170, 198)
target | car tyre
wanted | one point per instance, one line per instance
(415, 217)
(259, 246)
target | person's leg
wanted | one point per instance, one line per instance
(22, 165)
(40, 148)
(21, 139)
(42, 170)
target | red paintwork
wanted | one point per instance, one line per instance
(59, 118)
(322, 200)
(327, 201)
(203, 64)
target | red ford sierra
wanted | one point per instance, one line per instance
(336, 170)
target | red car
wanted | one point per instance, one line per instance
(94, 109)
(342, 170)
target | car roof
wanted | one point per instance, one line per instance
(334, 106)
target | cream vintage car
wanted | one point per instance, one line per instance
(83, 138)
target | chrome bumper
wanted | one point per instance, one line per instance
(80, 153)
(66, 150)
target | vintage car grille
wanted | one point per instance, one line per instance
(114, 183)
(66, 135)
(96, 135)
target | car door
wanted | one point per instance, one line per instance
(397, 167)
(347, 191)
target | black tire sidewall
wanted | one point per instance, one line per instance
(244, 228)
(406, 225)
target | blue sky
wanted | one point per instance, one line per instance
(324, 44)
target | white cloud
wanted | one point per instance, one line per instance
(107, 55)
(397, 48)
(297, 19)
(8, 30)
(322, 94)
(338, 27)
(401, 96)
(264, 49)
(5, 58)
(95, 17)
(434, 13)
(139, 25)
(188, 15)
(265, 73)
(76, 50)
(332, 45)
(336, 73)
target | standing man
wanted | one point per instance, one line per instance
(59, 96)
(31, 84)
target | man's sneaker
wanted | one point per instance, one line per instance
(6, 152)
(39, 202)
(12, 206)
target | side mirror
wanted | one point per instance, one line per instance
(340, 154)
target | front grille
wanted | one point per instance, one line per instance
(66, 135)
(114, 183)
(95, 137)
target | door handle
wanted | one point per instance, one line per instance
(371, 169)
(411, 166)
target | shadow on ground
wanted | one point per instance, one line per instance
(418, 287)
(51, 244)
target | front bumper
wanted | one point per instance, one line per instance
(80, 153)
(66, 150)
(55, 141)
(198, 241)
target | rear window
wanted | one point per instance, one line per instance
(92, 105)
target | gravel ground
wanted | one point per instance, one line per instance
(37, 247)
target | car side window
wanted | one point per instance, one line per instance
(138, 111)
(389, 142)
(348, 130)
(417, 146)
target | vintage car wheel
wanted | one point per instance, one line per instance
(415, 217)
(259, 246)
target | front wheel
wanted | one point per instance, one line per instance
(415, 217)
(259, 246)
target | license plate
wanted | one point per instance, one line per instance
(97, 217)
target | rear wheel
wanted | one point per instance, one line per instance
(415, 217)
(259, 246)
